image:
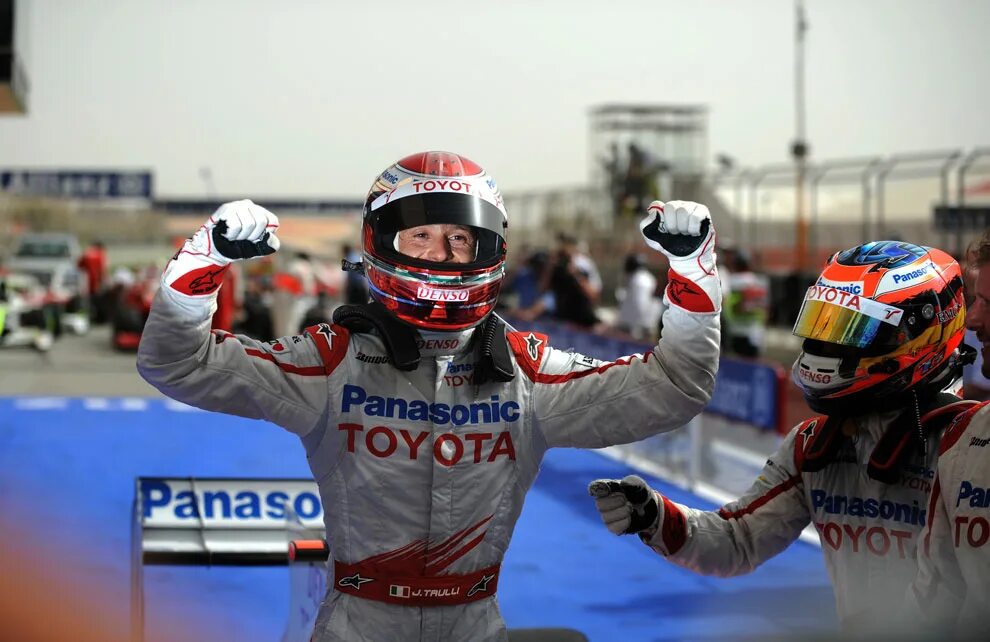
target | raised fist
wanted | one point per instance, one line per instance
(683, 231)
(241, 230)
(627, 506)
(237, 230)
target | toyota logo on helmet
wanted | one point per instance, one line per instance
(434, 241)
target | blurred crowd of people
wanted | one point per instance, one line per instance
(267, 299)
(564, 284)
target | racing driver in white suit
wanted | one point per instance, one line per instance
(423, 416)
(881, 357)
(950, 597)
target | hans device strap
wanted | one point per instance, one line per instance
(898, 443)
(399, 338)
(903, 437)
(491, 346)
(492, 353)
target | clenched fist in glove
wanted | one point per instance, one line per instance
(627, 506)
(237, 230)
(683, 231)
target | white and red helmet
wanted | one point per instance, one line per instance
(425, 189)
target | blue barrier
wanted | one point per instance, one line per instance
(749, 391)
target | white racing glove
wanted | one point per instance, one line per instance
(237, 230)
(627, 506)
(683, 231)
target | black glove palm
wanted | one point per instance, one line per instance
(235, 250)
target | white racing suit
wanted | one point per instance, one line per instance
(869, 530)
(951, 595)
(422, 474)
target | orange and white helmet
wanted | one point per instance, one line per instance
(882, 320)
(435, 188)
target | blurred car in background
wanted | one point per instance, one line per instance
(52, 258)
(27, 318)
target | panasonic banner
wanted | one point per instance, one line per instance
(216, 521)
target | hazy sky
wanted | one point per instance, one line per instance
(313, 98)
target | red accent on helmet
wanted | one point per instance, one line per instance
(440, 164)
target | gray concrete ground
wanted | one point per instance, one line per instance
(84, 366)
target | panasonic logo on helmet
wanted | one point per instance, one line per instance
(433, 294)
(913, 274)
(852, 287)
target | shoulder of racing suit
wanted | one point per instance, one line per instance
(542, 365)
(528, 349)
(959, 424)
(331, 341)
(804, 434)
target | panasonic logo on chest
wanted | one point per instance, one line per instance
(484, 412)
(973, 496)
(870, 507)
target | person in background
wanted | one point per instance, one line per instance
(746, 307)
(639, 309)
(573, 290)
(976, 386)
(422, 476)
(256, 319)
(586, 265)
(93, 264)
(950, 597)
(883, 367)
(229, 298)
(527, 284)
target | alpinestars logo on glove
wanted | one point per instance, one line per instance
(204, 280)
(687, 294)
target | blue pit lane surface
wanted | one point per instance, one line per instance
(67, 469)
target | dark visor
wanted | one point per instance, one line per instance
(486, 220)
(428, 209)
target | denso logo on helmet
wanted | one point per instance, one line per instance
(812, 378)
(434, 294)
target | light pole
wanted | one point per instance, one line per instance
(206, 175)
(799, 148)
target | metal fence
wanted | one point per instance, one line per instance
(853, 200)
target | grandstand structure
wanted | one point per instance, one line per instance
(934, 197)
